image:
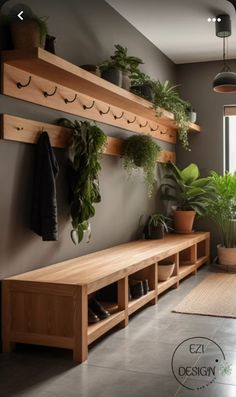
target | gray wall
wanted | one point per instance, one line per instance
(86, 33)
(208, 146)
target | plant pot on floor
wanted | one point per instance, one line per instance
(115, 76)
(165, 269)
(183, 221)
(27, 34)
(145, 91)
(226, 256)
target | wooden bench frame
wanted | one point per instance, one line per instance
(49, 306)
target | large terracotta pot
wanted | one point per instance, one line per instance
(226, 256)
(183, 221)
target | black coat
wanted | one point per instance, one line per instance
(44, 206)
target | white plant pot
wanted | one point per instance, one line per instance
(226, 256)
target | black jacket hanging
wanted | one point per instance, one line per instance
(44, 206)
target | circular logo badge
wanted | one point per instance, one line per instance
(197, 362)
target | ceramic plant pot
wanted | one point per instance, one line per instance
(165, 269)
(115, 76)
(26, 34)
(226, 256)
(126, 81)
(183, 221)
(154, 232)
(145, 91)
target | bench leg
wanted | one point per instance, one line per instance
(80, 351)
(123, 299)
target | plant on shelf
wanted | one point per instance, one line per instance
(166, 97)
(88, 141)
(190, 193)
(222, 211)
(31, 31)
(156, 227)
(120, 64)
(142, 152)
(142, 85)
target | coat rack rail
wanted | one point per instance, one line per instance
(23, 130)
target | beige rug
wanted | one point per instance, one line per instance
(215, 296)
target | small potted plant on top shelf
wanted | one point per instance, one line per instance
(142, 85)
(142, 152)
(156, 227)
(192, 114)
(189, 192)
(222, 211)
(31, 31)
(119, 67)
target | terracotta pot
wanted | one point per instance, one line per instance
(226, 256)
(183, 221)
(165, 270)
(26, 34)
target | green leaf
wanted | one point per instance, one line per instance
(190, 173)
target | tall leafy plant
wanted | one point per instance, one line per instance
(222, 210)
(122, 60)
(88, 141)
(186, 189)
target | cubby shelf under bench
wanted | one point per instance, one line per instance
(49, 306)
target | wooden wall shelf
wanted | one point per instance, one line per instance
(23, 130)
(49, 306)
(46, 72)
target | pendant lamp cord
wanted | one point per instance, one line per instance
(226, 67)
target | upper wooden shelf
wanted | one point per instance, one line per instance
(43, 64)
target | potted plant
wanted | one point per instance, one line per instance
(166, 97)
(142, 152)
(165, 269)
(156, 227)
(31, 31)
(88, 140)
(189, 192)
(120, 66)
(222, 211)
(192, 114)
(142, 85)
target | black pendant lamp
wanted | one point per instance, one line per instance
(225, 81)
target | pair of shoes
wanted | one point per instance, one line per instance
(138, 288)
(96, 311)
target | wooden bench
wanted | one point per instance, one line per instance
(49, 306)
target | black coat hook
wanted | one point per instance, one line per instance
(145, 125)
(131, 122)
(119, 117)
(70, 100)
(163, 133)
(155, 129)
(46, 94)
(20, 85)
(89, 107)
(108, 110)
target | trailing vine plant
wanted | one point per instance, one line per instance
(142, 152)
(88, 141)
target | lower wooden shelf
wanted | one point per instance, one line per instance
(136, 304)
(186, 269)
(201, 261)
(164, 285)
(100, 328)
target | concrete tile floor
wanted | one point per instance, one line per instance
(131, 362)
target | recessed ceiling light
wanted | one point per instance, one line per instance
(209, 19)
(213, 19)
(218, 19)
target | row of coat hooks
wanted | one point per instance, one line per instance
(92, 105)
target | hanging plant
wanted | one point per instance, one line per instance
(84, 154)
(142, 152)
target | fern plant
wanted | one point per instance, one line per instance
(166, 97)
(88, 141)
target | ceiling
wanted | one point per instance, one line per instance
(179, 28)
